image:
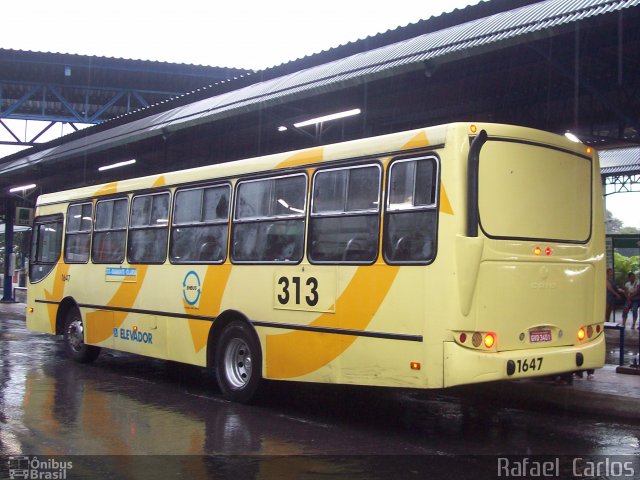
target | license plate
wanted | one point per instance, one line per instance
(538, 336)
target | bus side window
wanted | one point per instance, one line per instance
(149, 228)
(46, 243)
(200, 225)
(345, 220)
(78, 233)
(269, 220)
(109, 231)
(411, 218)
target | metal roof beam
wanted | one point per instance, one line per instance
(622, 184)
(8, 129)
(585, 85)
(20, 102)
(96, 116)
(53, 89)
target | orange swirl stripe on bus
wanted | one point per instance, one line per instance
(61, 272)
(418, 141)
(305, 157)
(108, 189)
(445, 204)
(213, 287)
(99, 330)
(298, 353)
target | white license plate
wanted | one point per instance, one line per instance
(538, 336)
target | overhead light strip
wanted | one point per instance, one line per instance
(324, 118)
(22, 188)
(116, 165)
(327, 118)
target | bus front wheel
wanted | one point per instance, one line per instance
(238, 363)
(74, 339)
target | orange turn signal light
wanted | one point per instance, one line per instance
(489, 340)
(581, 334)
(415, 365)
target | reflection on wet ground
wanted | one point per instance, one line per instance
(129, 405)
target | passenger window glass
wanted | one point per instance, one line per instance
(109, 234)
(329, 191)
(148, 233)
(188, 206)
(425, 183)
(290, 196)
(362, 196)
(150, 210)
(253, 199)
(200, 225)
(344, 224)
(273, 230)
(78, 233)
(216, 204)
(111, 214)
(410, 231)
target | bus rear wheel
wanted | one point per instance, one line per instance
(74, 339)
(238, 363)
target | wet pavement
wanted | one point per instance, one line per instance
(127, 416)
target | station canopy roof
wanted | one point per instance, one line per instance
(619, 161)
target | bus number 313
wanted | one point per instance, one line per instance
(293, 287)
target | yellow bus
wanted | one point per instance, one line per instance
(442, 256)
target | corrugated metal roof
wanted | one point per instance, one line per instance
(617, 161)
(490, 33)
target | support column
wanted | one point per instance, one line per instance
(9, 208)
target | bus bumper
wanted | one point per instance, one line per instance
(463, 365)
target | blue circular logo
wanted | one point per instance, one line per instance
(191, 288)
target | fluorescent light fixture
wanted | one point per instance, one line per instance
(326, 118)
(22, 188)
(572, 137)
(116, 165)
(282, 128)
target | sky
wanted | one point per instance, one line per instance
(250, 34)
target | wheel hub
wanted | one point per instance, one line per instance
(75, 334)
(238, 363)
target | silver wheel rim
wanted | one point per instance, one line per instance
(75, 335)
(237, 363)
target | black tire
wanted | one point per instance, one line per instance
(238, 363)
(74, 339)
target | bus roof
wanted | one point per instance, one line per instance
(390, 143)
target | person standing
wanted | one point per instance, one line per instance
(632, 292)
(613, 292)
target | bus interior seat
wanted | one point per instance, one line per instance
(209, 251)
(357, 249)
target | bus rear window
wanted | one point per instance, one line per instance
(534, 192)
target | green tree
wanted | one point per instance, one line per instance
(612, 224)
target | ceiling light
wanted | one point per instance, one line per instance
(572, 137)
(116, 165)
(326, 118)
(22, 188)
